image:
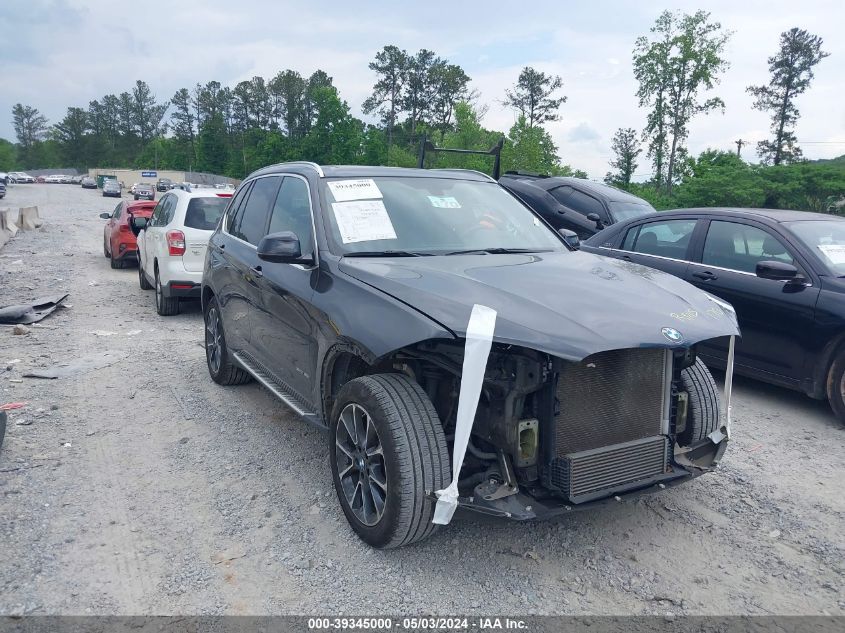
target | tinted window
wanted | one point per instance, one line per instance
(577, 201)
(740, 246)
(669, 238)
(156, 217)
(252, 219)
(622, 211)
(292, 212)
(117, 210)
(203, 213)
(825, 238)
(234, 206)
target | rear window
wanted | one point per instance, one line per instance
(203, 213)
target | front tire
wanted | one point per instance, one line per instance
(703, 404)
(165, 306)
(220, 366)
(387, 451)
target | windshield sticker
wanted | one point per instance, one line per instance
(362, 221)
(444, 202)
(361, 189)
(834, 252)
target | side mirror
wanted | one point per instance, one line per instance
(138, 224)
(778, 271)
(105, 216)
(571, 238)
(282, 248)
(594, 217)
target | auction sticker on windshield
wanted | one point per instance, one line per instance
(444, 202)
(834, 252)
(362, 221)
(359, 189)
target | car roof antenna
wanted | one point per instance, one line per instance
(427, 146)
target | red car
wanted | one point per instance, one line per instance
(119, 244)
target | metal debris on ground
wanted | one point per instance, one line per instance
(33, 312)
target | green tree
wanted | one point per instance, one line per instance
(30, 128)
(146, 112)
(288, 91)
(530, 149)
(792, 72)
(532, 96)
(71, 134)
(212, 151)
(625, 149)
(684, 59)
(8, 159)
(182, 123)
(336, 136)
(418, 97)
(450, 85)
(391, 68)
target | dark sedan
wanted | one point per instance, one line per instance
(111, 188)
(784, 273)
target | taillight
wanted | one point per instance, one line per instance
(124, 228)
(175, 243)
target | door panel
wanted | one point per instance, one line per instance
(775, 317)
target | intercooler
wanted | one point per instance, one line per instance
(611, 432)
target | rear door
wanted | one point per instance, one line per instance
(201, 218)
(155, 242)
(240, 296)
(665, 244)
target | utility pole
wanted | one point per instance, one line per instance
(739, 144)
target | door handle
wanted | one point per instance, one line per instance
(625, 257)
(705, 275)
(256, 271)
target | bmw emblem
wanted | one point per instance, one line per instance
(672, 334)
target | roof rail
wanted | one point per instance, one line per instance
(495, 152)
(313, 165)
(472, 171)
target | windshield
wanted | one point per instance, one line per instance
(626, 210)
(433, 216)
(825, 238)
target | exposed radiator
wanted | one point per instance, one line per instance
(610, 431)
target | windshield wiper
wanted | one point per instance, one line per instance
(386, 254)
(498, 251)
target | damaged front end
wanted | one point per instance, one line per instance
(551, 435)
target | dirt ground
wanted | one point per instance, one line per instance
(144, 488)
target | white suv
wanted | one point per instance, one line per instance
(172, 245)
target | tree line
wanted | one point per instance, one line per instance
(234, 130)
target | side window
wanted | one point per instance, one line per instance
(117, 210)
(169, 210)
(234, 206)
(156, 216)
(669, 238)
(740, 246)
(292, 212)
(251, 221)
(577, 201)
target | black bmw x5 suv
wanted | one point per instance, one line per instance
(351, 293)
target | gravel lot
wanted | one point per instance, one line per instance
(144, 488)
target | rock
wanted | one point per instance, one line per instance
(23, 421)
(20, 330)
(774, 534)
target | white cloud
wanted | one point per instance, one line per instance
(58, 53)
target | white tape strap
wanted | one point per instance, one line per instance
(479, 339)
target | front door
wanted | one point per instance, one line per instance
(775, 317)
(282, 328)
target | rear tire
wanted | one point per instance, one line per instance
(703, 405)
(117, 264)
(836, 387)
(165, 306)
(142, 277)
(220, 366)
(411, 457)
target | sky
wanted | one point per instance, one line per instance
(60, 53)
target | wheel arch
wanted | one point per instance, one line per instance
(824, 361)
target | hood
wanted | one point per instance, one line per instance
(569, 304)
